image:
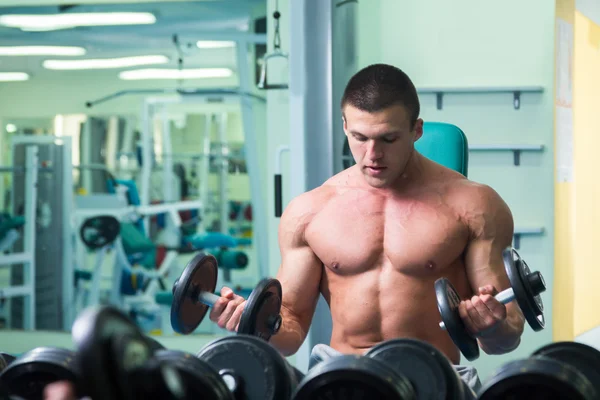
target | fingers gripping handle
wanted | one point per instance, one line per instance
(504, 297)
(208, 298)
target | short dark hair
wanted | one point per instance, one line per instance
(378, 86)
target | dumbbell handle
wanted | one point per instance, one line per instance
(504, 297)
(208, 298)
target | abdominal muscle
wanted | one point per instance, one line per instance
(382, 304)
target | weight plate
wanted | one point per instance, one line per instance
(261, 316)
(200, 274)
(97, 232)
(584, 358)
(537, 378)
(5, 360)
(526, 296)
(109, 346)
(200, 380)
(262, 372)
(427, 369)
(448, 301)
(354, 377)
(28, 375)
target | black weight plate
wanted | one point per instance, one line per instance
(354, 377)
(537, 379)
(28, 375)
(200, 274)
(428, 370)
(99, 231)
(263, 372)
(529, 302)
(448, 302)
(5, 360)
(109, 345)
(584, 358)
(200, 380)
(261, 316)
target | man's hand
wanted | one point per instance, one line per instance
(59, 391)
(228, 310)
(482, 314)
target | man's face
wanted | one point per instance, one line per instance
(381, 142)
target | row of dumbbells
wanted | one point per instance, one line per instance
(115, 360)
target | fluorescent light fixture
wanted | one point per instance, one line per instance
(11, 128)
(105, 63)
(215, 44)
(176, 74)
(13, 76)
(49, 22)
(41, 51)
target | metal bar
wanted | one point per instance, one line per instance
(154, 209)
(29, 272)
(223, 174)
(20, 169)
(204, 169)
(17, 291)
(16, 258)
(529, 231)
(182, 92)
(259, 211)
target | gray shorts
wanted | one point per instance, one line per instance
(468, 374)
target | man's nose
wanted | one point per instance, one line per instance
(374, 151)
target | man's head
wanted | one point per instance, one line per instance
(380, 108)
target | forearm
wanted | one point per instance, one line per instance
(506, 336)
(290, 336)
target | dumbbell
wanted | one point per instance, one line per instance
(193, 295)
(114, 358)
(251, 368)
(5, 360)
(428, 370)
(526, 287)
(561, 370)
(351, 376)
(28, 375)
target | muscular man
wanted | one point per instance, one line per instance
(374, 238)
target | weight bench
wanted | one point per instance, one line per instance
(445, 144)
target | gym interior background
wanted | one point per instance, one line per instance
(470, 60)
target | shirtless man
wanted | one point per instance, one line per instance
(374, 238)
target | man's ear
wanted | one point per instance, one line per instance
(344, 125)
(418, 129)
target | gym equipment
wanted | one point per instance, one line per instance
(538, 378)
(99, 231)
(200, 379)
(113, 354)
(586, 359)
(251, 367)
(427, 369)
(29, 374)
(5, 360)
(354, 377)
(526, 287)
(193, 294)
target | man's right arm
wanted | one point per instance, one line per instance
(299, 274)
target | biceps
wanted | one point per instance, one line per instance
(485, 265)
(300, 277)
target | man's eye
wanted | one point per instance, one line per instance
(392, 140)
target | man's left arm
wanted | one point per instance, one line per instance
(498, 327)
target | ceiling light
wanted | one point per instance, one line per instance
(13, 76)
(176, 74)
(47, 22)
(105, 63)
(11, 128)
(41, 51)
(214, 44)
